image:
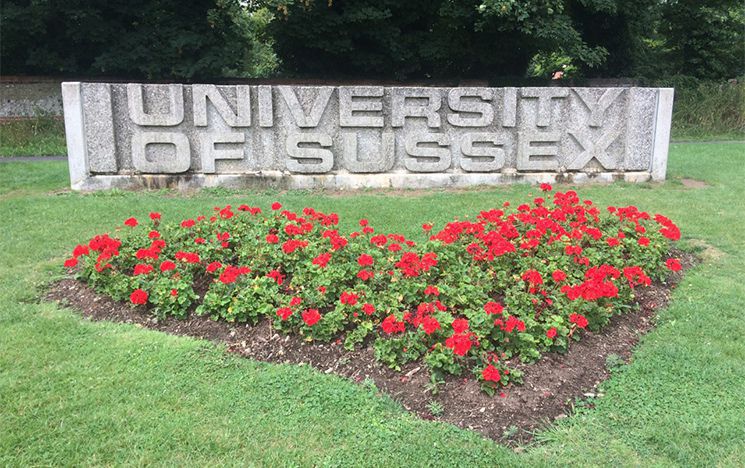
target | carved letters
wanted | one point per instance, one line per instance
(372, 129)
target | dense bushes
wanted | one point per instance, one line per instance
(162, 39)
(511, 284)
(707, 108)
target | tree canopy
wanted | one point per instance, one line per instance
(383, 39)
(138, 38)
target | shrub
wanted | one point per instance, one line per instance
(476, 296)
(707, 108)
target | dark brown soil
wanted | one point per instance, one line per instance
(550, 385)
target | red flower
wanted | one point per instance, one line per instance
(80, 250)
(612, 241)
(493, 308)
(365, 260)
(348, 298)
(71, 262)
(276, 206)
(431, 291)
(230, 274)
(673, 264)
(533, 277)
(295, 301)
(491, 374)
(427, 227)
(187, 223)
(643, 241)
(272, 239)
(292, 245)
(138, 296)
(174, 292)
(460, 344)
(364, 222)
(430, 324)
(512, 323)
(671, 232)
(142, 269)
(558, 276)
(153, 235)
(167, 265)
(311, 317)
(213, 267)
(284, 313)
(131, 222)
(155, 216)
(551, 332)
(322, 260)
(546, 187)
(187, 257)
(277, 276)
(579, 319)
(460, 325)
(368, 309)
(392, 325)
(365, 275)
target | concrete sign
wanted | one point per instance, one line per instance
(173, 135)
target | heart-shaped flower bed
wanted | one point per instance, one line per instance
(477, 296)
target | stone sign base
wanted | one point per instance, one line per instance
(346, 137)
(287, 181)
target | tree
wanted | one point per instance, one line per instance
(704, 39)
(441, 38)
(158, 39)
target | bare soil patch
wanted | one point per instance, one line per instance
(694, 183)
(550, 385)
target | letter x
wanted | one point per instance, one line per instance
(593, 148)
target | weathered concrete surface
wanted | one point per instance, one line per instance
(133, 135)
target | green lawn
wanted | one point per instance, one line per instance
(75, 392)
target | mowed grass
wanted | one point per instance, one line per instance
(39, 136)
(75, 392)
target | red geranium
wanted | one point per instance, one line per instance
(311, 317)
(392, 325)
(491, 374)
(138, 297)
(365, 260)
(430, 324)
(673, 264)
(460, 325)
(284, 313)
(578, 319)
(558, 276)
(493, 308)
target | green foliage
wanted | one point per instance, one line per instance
(555, 261)
(422, 39)
(38, 136)
(707, 108)
(704, 39)
(141, 38)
